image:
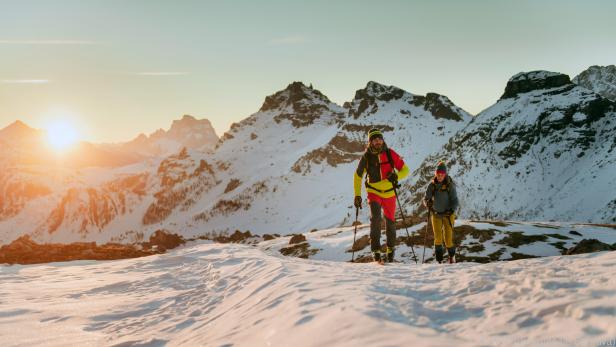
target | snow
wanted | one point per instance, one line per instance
(215, 294)
(521, 159)
(334, 244)
(557, 181)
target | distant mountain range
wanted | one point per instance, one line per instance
(544, 151)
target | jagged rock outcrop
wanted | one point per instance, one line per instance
(599, 79)
(525, 82)
(532, 155)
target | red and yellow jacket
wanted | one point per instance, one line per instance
(378, 168)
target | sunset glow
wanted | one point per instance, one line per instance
(61, 135)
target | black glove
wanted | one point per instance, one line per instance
(357, 202)
(393, 178)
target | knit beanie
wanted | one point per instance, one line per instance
(441, 167)
(374, 132)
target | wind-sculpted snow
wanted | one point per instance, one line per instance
(213, 294)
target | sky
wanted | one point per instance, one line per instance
(115, 69)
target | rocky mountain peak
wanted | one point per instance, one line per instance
(600, 79)
(440, 106)
(189, 125)
(525, 82)
(187, 132)
(366, 98)
(375, 90)
(294, 95)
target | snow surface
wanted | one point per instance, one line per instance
(335, 244)
(228, 294)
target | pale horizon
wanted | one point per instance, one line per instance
(115, 69)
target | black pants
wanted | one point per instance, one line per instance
(375, 228)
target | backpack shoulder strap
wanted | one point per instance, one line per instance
(367, 157)
(390, 160)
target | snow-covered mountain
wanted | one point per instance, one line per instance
(286, 168)
(289, 167)
(544, 151)
(187, 132)
(92, 184)
(600, 79)
(228, 294)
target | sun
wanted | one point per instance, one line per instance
(61, 135)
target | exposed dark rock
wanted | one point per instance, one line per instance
(367, 258)
(439, 105)
(25, 251)
(495, 223)
(378, 91)
(482, 235)
(236, 237)
(365, 100)
(534, 80)
(494, 256)
(589, 246)
(297, 238)
(517, 256)
(165, 240)
(339, 150)
(233, 183)
(292, 95)
(360, 128)
(561, 246)
(558, 236)
(301, 250)
(359, 244)
(516, 239)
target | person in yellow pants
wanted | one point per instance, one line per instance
(441, 200)
(442, 225)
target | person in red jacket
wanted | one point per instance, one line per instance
(381, 178)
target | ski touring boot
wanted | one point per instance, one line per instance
(390, 255)
(376, 256)
(438, 253)
(451, 253)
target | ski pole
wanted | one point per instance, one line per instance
(404, 222)
(354, 233)
(443, 234)
(425, 237)
(451, 227)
